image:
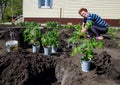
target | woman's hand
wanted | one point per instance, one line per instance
(83, 30)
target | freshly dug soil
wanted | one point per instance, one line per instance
(23, 67)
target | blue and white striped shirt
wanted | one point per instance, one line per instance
(98, 21)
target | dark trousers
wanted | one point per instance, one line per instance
(96, 31)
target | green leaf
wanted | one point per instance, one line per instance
(74, 52)
(83, 45)
(89, 24)
(100, 44)
(118, 44)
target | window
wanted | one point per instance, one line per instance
(45, 3)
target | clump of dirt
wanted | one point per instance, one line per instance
(112, 43)
(102, 63)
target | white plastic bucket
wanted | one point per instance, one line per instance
(11, 45)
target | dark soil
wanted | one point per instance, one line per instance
(23, 67)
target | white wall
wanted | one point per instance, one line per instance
(105, 8)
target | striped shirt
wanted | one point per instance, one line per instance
(98, 21)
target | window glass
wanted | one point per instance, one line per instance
(48, 2)
(45, 3)
(42, 2)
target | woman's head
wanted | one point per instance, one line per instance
(83, 12)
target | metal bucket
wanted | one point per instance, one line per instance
(11, 45)
(47, 51)
(85, 65)
(36, 48)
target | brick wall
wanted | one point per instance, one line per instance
(111, 22)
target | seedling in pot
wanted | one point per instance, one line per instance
(85, 47)
(32, 33)
(50, 39)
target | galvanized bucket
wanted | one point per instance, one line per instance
(11, 45)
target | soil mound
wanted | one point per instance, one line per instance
(25, 68)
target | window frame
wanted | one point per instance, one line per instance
(46, 4)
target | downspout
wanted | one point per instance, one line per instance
(60, 15)
(62, 10)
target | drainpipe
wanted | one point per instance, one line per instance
(60, 15)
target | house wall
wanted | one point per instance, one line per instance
(107, 9)
(68, 9)
(30, 9)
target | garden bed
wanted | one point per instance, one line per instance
(26, 68)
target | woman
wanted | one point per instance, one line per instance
(93, 24)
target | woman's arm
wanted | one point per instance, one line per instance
(84, 30)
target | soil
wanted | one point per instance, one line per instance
(22, 67)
